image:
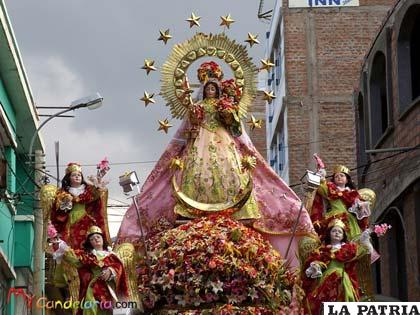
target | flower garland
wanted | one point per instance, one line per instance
(209, 70)
(211, 262)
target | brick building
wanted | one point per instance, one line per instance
(317, 54)
(388, 119)
(258, 135)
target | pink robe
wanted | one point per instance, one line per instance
(277, 202)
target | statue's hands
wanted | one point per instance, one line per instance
(365, 240)
(98, 182)
(227, 117)
(196, 114)
(66, 204)
(62, 247)
(107, 274)
(314, 270)
(322, 172)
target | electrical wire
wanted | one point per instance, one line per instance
(373, 162)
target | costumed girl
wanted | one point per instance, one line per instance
(339, 199)
(330, 270)
(78, 206)
(210, 152)
(101, 272)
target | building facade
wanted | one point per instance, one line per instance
(317, 52)
(18, 122)
(388, 124)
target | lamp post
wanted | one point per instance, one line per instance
(128, 181)
(91, 102)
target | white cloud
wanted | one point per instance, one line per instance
(55, 84)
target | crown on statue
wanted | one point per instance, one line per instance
(73, 167)
(209, 70)
(337, 222)
(341, 169)
(94, 230)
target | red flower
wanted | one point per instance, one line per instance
(212, 264)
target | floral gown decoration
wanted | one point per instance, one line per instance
(212, 173)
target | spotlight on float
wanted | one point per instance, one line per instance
(311, 181)
(128, 181)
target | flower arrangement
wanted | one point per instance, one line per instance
(196, 114)
(213, 262)
(227, 110)
(230, 89)
(381, 229)
(208, 70)
(102, 169)
(226, 104)
(51, 231)
(64, 201)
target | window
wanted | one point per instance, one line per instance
(397, 272)
(282, 152)
(361, 134)
(408, 58)
(378, 98)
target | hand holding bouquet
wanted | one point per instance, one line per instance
(196, 114)
(227, 110)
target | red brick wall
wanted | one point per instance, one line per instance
(258, 135)
(395, 179)
(324, 49)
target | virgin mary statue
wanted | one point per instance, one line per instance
(212, 153)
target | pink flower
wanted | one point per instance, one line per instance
(381, 229)
(51, 231)
(212, 264)
(171, 273)
(103, 165)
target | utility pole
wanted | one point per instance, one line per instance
(38, 249)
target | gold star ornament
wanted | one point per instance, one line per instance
(254, 123)
(268, 96)
(252, 39)
(193, 20)
(248, 162)
(164, 125)
(227, 21)
(266, 64)
(176, 164)
(149, 65)
(164, 36)
(147, 98)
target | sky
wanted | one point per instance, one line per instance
(75, 48)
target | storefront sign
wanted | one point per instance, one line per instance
(322, 3)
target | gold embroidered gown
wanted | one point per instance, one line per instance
(212, 168)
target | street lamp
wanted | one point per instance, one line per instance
(91, 102)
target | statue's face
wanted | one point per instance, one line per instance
(75, 179)
(96, 241)
(210, 91)
(336, 234)
(340, 179)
